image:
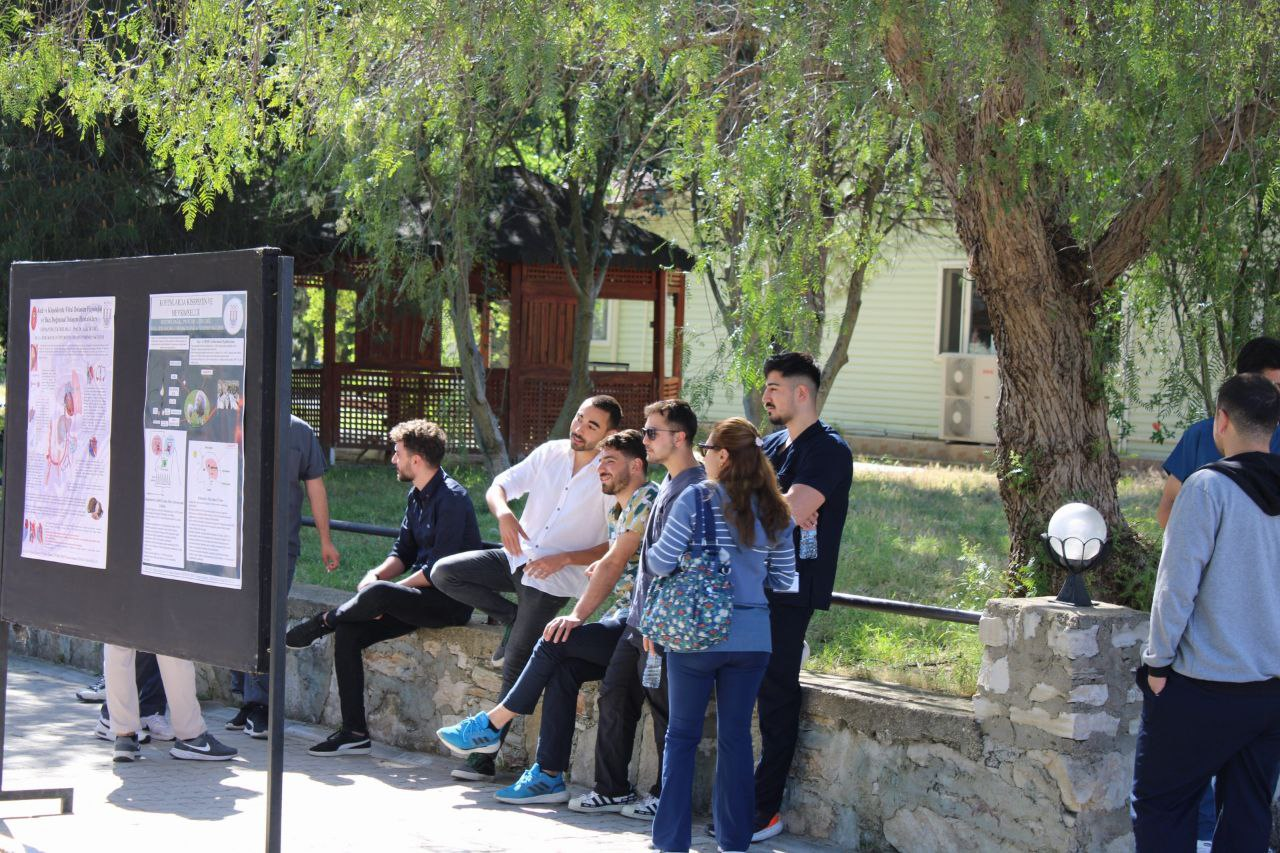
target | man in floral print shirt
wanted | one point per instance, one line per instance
(570, 652)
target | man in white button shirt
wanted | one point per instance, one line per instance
(545, 553)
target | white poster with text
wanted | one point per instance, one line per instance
(70, 369)
(193, 510)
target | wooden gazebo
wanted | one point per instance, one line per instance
(395, 376)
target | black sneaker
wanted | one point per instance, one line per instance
(305, 633)
(477, 768)
(236, 723)
(127, 749)
(501, 651)
(203, 747)
(343, 742)
(255, 725)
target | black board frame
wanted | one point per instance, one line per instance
(235, 628)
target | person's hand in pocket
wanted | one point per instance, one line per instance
(1156, 683)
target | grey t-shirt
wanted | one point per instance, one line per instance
(306, 462)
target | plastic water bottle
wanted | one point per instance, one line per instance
(652, 677)
(809, 544)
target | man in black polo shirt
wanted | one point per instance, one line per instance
(815, 472)
(439, 521)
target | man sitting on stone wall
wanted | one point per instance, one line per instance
(545, 553)
(439, 521)
(571, 652)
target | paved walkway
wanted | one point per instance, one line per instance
(390, 801)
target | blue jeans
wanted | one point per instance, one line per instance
(736, 677)
(555, 673)
(257, 685)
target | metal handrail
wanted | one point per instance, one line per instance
(371, 529)
(862, 602)
(906, 608)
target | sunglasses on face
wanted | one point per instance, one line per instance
(651, 433)
(703, 448)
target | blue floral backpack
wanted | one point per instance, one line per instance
(690, 609)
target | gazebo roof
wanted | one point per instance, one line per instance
(522, 233)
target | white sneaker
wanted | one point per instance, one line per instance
(95, 692)
(593, 803)
(102, 731)
(159, 727)
(646, 809)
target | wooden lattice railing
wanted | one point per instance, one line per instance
(369, 401)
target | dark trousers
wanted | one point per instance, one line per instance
(256, 687)
(151, 699)
(556, 672)
(620, 704)
(1190, 732)
(402, 610)
(479, 578)
(736, 678)
(779, 707)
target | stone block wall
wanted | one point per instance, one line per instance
(1040, 759)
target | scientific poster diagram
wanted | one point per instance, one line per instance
(70, 368)
(193, 488)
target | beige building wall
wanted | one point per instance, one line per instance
(893, 383)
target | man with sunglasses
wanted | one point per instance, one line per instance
(669, 430)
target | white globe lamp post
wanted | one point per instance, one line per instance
(1077, 541)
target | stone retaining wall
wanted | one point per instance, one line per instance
(1039, 759)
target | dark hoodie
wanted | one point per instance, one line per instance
(1258, 476)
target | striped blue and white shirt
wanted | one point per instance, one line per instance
(756, 565)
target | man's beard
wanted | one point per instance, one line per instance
(403, 477)
(616, 486)
(775, 418)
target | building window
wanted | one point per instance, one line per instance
(964, 323)
(601, 321)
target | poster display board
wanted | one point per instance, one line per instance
(70, 371)
(193, 474)
(140, 484)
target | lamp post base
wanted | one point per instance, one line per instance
(1074, 592)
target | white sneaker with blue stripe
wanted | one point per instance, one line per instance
(474, 734)
(534, 786)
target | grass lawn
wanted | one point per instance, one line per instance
(934, 535)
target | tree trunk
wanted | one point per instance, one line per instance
(488, 434)
(1055, 446)
(753, 406)
(579, 368)
(839, 355)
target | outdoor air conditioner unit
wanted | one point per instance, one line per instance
(970, 391)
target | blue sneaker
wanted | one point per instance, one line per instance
(534, 786)
(474, 734)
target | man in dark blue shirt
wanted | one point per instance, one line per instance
(1196, 448)
(439, 521)
(815, 471)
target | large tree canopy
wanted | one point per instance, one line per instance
(1066, 137)
(1064, 133)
